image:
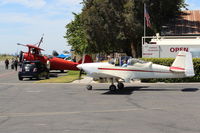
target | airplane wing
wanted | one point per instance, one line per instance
(33, 46)
(108, 72)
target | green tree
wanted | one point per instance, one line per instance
(114, 25)
(76, 35)
(162, 11)
(117, 25)
(111, 25)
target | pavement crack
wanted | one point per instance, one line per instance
(131, 101)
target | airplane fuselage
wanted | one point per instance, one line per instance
(55, 63)
(137, 71)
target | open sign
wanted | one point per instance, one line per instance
(176, 49)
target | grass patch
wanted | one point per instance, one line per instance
(70, 77)
(4, 57)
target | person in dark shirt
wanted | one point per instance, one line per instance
(6, 63)
(16, 64)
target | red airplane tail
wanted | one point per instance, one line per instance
(88, 59)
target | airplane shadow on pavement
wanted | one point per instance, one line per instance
(125, 91)
(171, 89)
(190, 89)
(130, 90)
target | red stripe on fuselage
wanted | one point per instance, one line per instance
(115, 69)
(177, 68)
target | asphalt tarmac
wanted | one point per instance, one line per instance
(27, 107)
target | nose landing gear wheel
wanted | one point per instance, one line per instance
(89, 87)
(112, 88)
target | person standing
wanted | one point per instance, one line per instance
(6, 63)
(16, 64)
(12, 63)
(117, 61)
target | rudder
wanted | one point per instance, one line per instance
(183, 63)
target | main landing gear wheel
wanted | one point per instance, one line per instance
(89, 87)
(120, 86)
(112, 88)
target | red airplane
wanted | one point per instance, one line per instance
(34, 53)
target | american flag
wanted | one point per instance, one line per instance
(147, 17)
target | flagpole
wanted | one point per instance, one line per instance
(144, 22)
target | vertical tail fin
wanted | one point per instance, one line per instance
(183, 63)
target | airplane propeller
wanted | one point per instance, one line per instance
(80, 73)
(21, 56)
(41, 40)
(21, 44)
(79, 66)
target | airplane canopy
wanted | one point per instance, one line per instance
(64, 55)
(132, 61)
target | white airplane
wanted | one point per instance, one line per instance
(138, 69)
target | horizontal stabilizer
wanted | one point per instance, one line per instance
(177, 69)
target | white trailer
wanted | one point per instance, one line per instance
(169, 46)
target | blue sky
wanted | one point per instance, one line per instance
(193, 4)
(24, 21)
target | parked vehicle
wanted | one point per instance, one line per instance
(33, 69)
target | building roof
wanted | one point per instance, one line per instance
(188, 23)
